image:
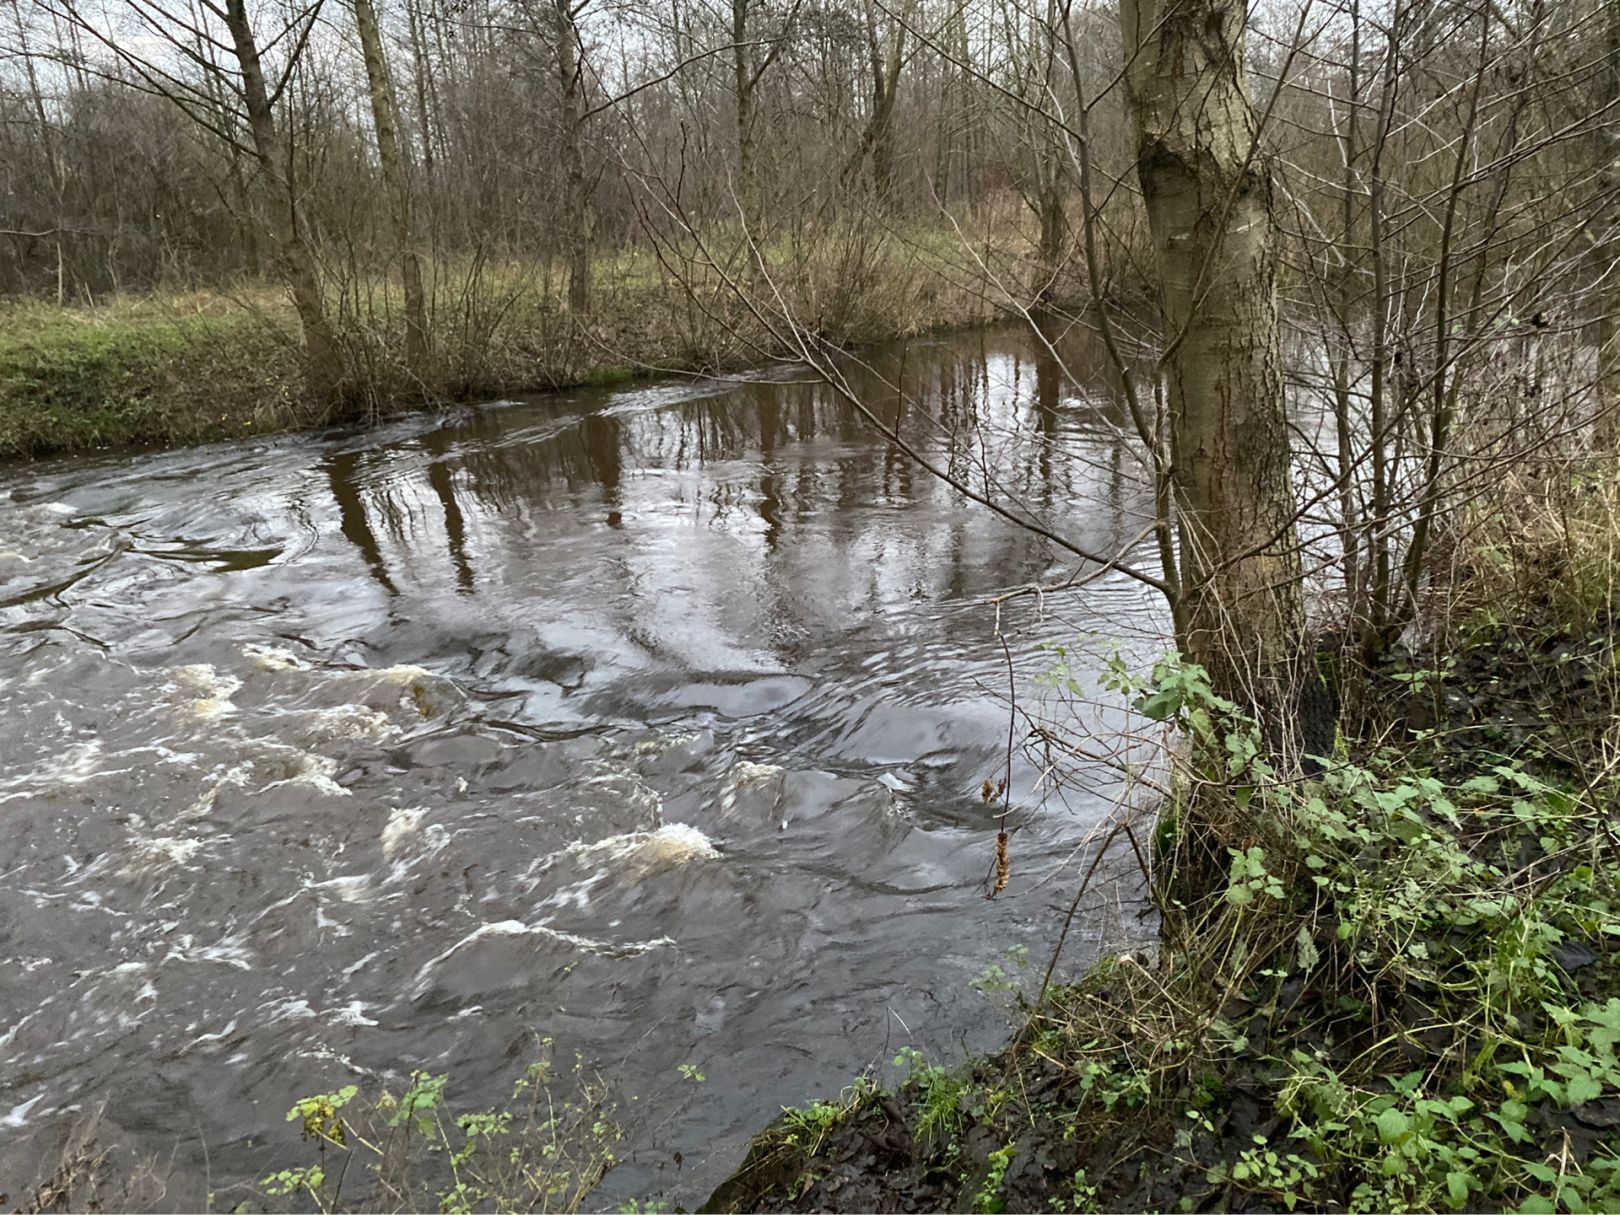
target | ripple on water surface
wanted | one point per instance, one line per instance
(654, 722)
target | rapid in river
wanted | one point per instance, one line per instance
(654, 720)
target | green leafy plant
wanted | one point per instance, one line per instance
(988, 1200)
(940, 1094)
(543, 1150)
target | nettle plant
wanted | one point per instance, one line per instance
(1449, 1058)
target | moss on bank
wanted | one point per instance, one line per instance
(1402, 994)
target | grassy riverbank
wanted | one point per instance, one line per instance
(1402, 994)
(188, 367)
(174, 368)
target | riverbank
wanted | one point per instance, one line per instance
(1404, 994)
(176, 368)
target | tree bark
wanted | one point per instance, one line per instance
(744, 81)
(1345, 306)
(877, 136)
(418, 354)
(1608, 421)
(577, 203)
(1208, 195)
(295, 260)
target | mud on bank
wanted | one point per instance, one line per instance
(1403, 994)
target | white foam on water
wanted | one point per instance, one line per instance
(633, 854)
(159, 852)
(403, 673)
(204, 805)
(208, 689)
(229, 950)
(216, 1036)
(324, 921)
(353, 1015)
(607, 949)
(632, 789)
(671, 844)
(74, 765)
(681, 842)
(327, 1055)
(746, 772)
(18, 1117)
(352, 722)
(517, 928)
(10, 1036)
(351, 888)
(316, 771)
(422, 693)
(272, 658)
(402, 823)
(205, 679)
(290, 1009)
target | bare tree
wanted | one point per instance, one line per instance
(380, 89)
(571, 109)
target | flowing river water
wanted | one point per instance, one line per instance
(654, 720)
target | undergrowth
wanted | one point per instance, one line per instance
(544, 1149)
(177, 367)
(1401, 992)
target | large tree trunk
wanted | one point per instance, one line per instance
(1054, 223)
(1207, 190)
(1608, 422)
(1346, 306)
(1049, 153)
(744, 80)
(417, 352)
(294, 259)
(877, 136)
(571, 109)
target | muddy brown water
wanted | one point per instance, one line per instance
(653, 720)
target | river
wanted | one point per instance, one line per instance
(653, 719)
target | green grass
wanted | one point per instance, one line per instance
(140, 372)
(180, 367)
